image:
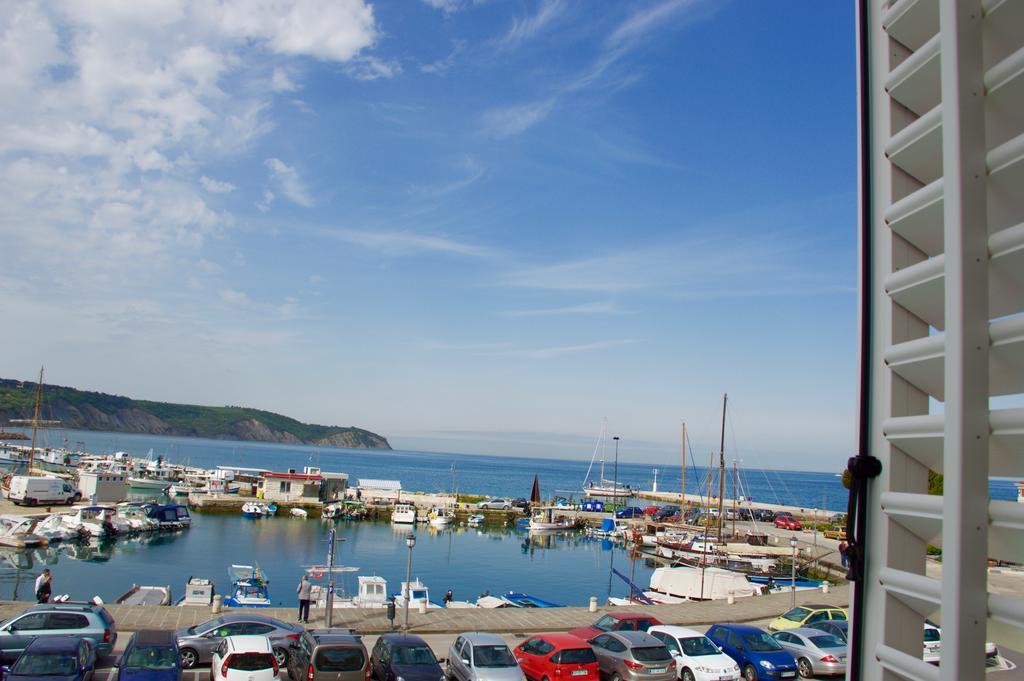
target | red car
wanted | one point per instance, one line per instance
(616, 621)
(651, 510)
(551, 657)
(788, 522)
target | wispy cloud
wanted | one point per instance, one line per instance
(468, 347)
(472, 172)
(506, 349)
(216, 186)
(406, 243)
(525, 28)
(291, 185)
(443, 65)
(583, 309)
(512, 120)
(653, 17)
(372, 68)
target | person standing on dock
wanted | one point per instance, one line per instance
(304, 590)
(843, 546)
(44, 586)
(448, 598)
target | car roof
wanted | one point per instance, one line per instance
(635, 638)
(249, 644)
(563, 640)
(630, 615)
(241, 617)
(403, 640)
(54, 643)
(330, 636)
(63, 607)
(820, 606)
(155, 637)
(806, 631)
(739, 628)
(482, 638)
(678, 632)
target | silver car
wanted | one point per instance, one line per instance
(481, 657)
(496, 504)
(816, 652)
(633, 656)
(197, 643)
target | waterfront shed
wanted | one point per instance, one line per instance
(107, 486)
(334, 486)
(290, 487)
(371, 488)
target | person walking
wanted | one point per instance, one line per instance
(304, 590)
(44, 586)
(448, 598)
(843, 547)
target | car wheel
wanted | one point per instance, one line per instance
(281, 655)
(506, 507)
(189, 658)
(448, 670)
(687, 674)
(749, 673)
(803, 665)
(29, 501)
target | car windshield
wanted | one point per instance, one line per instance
(414, 655)
(827, 641)
(652, 654)
(205, 626)
(250, 662)
(48, 664)
(577, 656)
(932, 635)
(796, 614)
(760, 642)
(493, 656)
(698, 645)
(606, 623)
(151, 657)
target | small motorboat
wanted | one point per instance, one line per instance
(198, 591)
(19, 532)
(475, 520)
(248, 587)
(258, 509)
(440, 517)
(404, 514)
(545, 519)
(146, 595)
(521, 600)
(332, 510)
(299, 513)
(94, 521)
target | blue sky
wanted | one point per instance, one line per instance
(469, 225)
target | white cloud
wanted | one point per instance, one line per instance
(216, 186)
(372, 68)
(281, 81)
(563, 350)
(265, 201)
(594, 308)
(234, 297)
(405, 243)
(525, 28)
(289, 181)
(512, 120)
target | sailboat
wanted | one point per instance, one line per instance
(443, 516)
(603, 487)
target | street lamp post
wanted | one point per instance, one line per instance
(793, 584)
(410, 541)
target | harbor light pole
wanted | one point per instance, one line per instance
(410, 541)
(615, 474)
(792, 585)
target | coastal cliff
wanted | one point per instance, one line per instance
(87, 410)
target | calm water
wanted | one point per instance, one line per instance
(566, 569)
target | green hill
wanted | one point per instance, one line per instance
(88, 410)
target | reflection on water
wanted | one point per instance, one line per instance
(562, 567)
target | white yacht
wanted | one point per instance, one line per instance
(441, 517)
(404, 513)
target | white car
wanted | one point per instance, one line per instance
(697, 657)
(933, 645)
(244, 658)
(496, 504)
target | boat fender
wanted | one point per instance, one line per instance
(97, 600)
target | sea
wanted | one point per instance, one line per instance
(563, 568)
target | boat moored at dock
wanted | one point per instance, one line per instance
(249, 587)
(404, 514)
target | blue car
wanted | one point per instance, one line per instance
(55, 658)
(758, 655)
(629, 512)
(150, 656)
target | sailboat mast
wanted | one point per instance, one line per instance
(735, 496)
(35, 419)
(721, 471)
(682, 491)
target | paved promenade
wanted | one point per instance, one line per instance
(503, 620)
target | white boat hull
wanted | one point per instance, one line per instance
(145, 483)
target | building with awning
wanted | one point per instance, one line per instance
(373, 488)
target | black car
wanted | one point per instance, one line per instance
(57, 658)
(404, 656)
(666, 512)
(521, 503)
(764, 515)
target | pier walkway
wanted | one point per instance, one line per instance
(502, 620)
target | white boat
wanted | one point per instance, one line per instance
(332, 510)
(545, 519)
(404, 514)
(18, 531)
(258, 509)
(136, 482)
(198, 591)
(697, 584)
(137, 518)
(299, 513)
(441, 517)
(52, 527)
(91, 520)
(475, 520)
(146, 595)
(603, 487)
(373, 593)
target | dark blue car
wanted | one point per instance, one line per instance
(629, 512)
(55, 658)
(150, 656)
(759, 655)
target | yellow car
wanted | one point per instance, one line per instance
(803, 615)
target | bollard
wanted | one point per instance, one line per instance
(593, 604)
(423, 606)
(731, 598)
(218, 601)
(824, 587)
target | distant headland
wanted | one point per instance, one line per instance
(86, 410)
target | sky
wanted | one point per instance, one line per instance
(468, 225)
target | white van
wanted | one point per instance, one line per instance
(32, 490)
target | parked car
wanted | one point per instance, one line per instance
(403, 656)
(933, 644)
(651, 510)
(557, 656)
(481, 657)
(816, 652)
(787, 522)
(150, 655)
(697, 657)
(244, 658)
(758, 655)
(746, 514)
(496, 504)
(326, 655)
(667, 511)
(62, 658)
(764, 515)
(616, 621)
(35, 490)
(521, 503)
(835, 627)
(837, 532)
(804, 615)
(198, 643)
(83, 620)
(629, 512)
(633, 656)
